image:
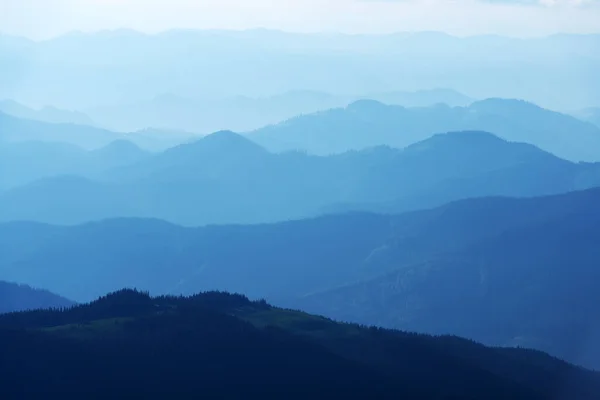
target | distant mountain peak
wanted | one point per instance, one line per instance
(220, 143)
(229, 139)
(366, 105)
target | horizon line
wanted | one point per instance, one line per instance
(287, 32)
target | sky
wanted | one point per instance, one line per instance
(43, 19)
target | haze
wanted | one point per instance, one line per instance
(42, 19)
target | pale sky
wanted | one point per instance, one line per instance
(42, 19)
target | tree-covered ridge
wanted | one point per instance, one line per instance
(129, 343)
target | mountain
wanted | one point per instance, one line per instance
(128, 343)
(529, 283)
(45, 114)
(498, 270)
(23, 162)
(19, 130)
(244, 113)
(589, 114)
(210, 114)
(87, 70)
(202, 182)
(367, 123)
(422, 98)
(15, 297)
(118, 153)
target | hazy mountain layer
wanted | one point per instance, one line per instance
(243, 113)
(225, 178)
(24, 162)
(13, 129)
(121, 67)
(369, 123)
(502, 271)
(45, 114)
(15, 297)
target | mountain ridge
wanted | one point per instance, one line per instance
(367, 123)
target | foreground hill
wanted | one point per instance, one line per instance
(502, 271)
(202, 182)
(216, 344)
(367, 123)
(15, 297)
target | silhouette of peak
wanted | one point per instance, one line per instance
(367, 105)
(221, 142)
(460, 138)
(478, 142)
(225, 135)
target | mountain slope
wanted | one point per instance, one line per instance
(590, 114)
(529, 283)
(368, 123)
(15, 297)
(202, 182)
(461, 259)
(160, 345)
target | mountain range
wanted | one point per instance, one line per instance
(14, 129)
(443, 270)
(237, 214)
(225, 346)
(202, 182)
(86, 70)
(369, 123)
(45, 114)
(243, 113)
(25, 162)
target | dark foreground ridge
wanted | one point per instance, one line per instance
(218, 345)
